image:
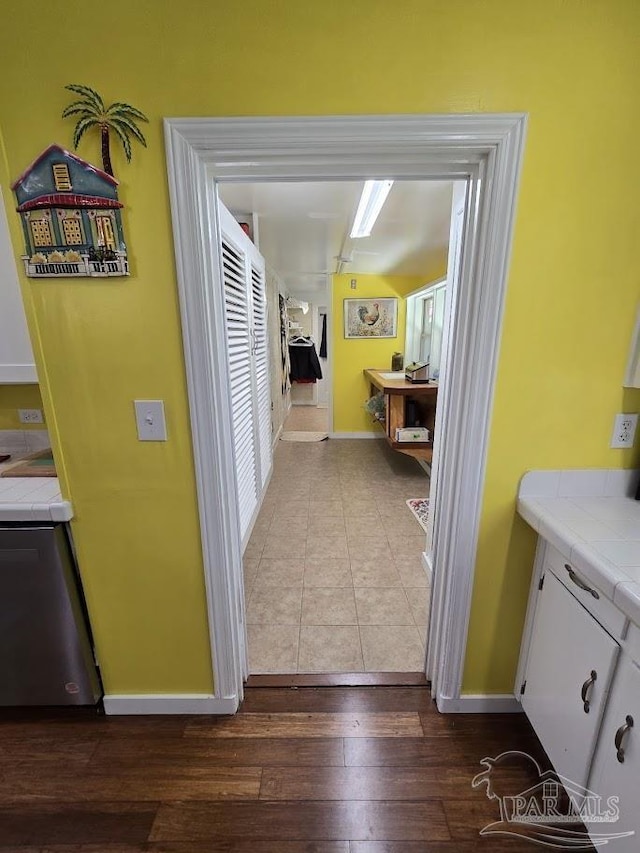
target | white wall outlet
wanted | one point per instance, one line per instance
(150, 420)
(30, 416)
(624, 430)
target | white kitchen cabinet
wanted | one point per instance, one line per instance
(593, 622)
(17, 364)
(569, 669)
(620, 739)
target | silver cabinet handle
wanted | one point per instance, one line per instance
(579, 582)
(628, 724)
(584, 693)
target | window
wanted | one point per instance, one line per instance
(105, 232)
(41, 232)
(61, 176)
(426, 329)
(72, 231)
(425, 325)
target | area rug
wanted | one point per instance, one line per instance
(420, 508)
(304, 436)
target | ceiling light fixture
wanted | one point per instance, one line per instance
(373, 197)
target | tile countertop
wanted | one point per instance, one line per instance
(32, 498)
(591, 517)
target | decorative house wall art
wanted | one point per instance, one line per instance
(71, 218)
(90, 111)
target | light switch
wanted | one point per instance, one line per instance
(150, 420)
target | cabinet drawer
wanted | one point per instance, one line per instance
(601, 608)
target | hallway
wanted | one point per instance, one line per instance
(307, 419)
(334, 580)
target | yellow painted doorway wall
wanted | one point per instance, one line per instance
(572, 290)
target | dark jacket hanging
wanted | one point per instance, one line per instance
(323, 339)
(305, 365)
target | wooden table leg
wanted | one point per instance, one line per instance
(395, 419)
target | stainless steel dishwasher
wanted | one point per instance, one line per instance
(46, 652)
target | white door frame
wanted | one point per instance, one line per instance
(485, 150)
(326, 375)
(330, 353)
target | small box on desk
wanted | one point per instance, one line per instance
(409, 434)
(417, 372)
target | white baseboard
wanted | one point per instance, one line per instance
(482, 703)
(170, 703)
(427, 566)
(355, 435)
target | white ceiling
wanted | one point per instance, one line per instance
(303, 228)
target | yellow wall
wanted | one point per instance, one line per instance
(14, 397)
(351, 357)
(573, 282)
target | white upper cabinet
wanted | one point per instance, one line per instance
(17, 365)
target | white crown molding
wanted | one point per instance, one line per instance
(171, 703)
(483, 150)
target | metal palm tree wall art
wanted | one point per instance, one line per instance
(118, 118)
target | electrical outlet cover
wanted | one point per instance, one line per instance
(30, 416)
(624, 430)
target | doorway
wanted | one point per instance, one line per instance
(308, 415)
(334, 574)
(484, 150)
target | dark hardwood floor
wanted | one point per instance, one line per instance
(307, 770)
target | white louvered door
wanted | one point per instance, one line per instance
(243, 273)
(239, 361)
(261, 367)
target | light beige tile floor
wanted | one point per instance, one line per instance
(307, 419)
(333, 573)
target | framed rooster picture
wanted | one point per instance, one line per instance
(371, 318)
